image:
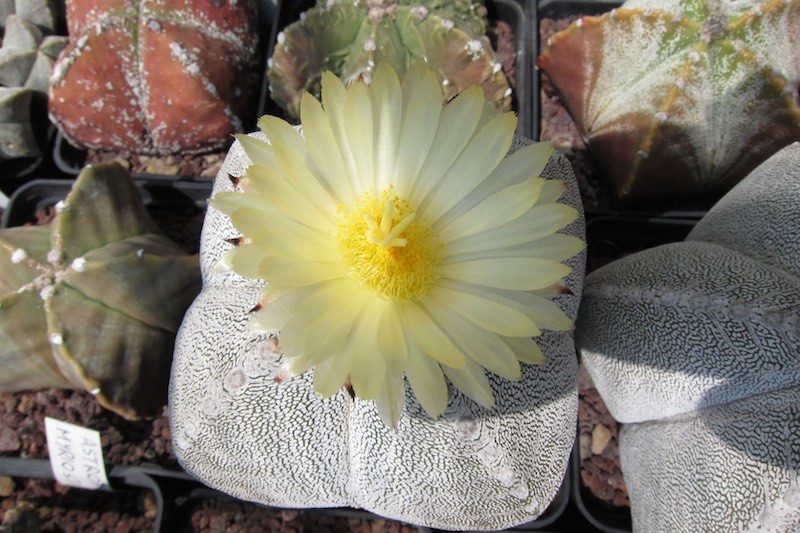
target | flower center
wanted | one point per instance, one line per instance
(387, 249)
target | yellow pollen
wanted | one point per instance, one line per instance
(387, 249)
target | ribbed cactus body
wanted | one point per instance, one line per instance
(156, 76)
(93, 300)
(350, 37)
(681, 97)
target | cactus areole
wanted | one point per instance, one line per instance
(350, 38)
(156, 76)
(681, 97)
(93, 300)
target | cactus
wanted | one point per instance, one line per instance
(26, 61)
(349, 38)
(40, 13)
(694, 347)
(156, 76)
(681, 97)
(93, 300)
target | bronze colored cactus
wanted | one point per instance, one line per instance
(350, 38)
(93, 301)
(681, 97)
(156, 76)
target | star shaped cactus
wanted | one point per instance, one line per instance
(155, 76)
(681, 97)
(350, 38)
(93, 300)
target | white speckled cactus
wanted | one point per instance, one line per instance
(681, 97)
(239, 425)
(695, 346)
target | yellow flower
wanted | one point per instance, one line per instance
(396, 237)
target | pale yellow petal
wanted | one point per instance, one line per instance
(292, 274)
(458, 122)
(324, 149)
(331, 374)
(250, 221)
(369, 365)
(426, 380)
(556, 247)
(277, 129)
(299, 245)
(496, 210)
(535, 224)
(480, 345)
(387, 110)
(245, 260)
(429, 336)
(333, 96)
(422, 105)
(258, 151)
(294, 168)
(515, 273)
(391, 400)
(471, 380)
(391, 338)
(487, 313)
(552, 191)
(478, 159)
(543, 312)
(229, 201)
(282, 195)
(358, 132)
(526, 350)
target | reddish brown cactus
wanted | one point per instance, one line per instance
(155, 76)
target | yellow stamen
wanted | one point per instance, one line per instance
(387, 249)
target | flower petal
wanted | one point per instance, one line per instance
(324, 149)
(496, 210)
(426, 380)
(471, 380)
(486, 313)
(277, 129)
(369, 366)
(557, 247)
(458, 122)
(333, 96)
(526, 350)
(422, 106)
(387, 112)
(358, 133)
(292, 274)
(281, 195)
(258, 151)
(296, 171)
(481, 345)
(391, 400)
(429, 336)
(514, 273)
(478, 159)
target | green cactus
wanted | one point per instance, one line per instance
(350, 37)
(93, 300)
(681, 97)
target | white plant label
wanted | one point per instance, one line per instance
(76, 455)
